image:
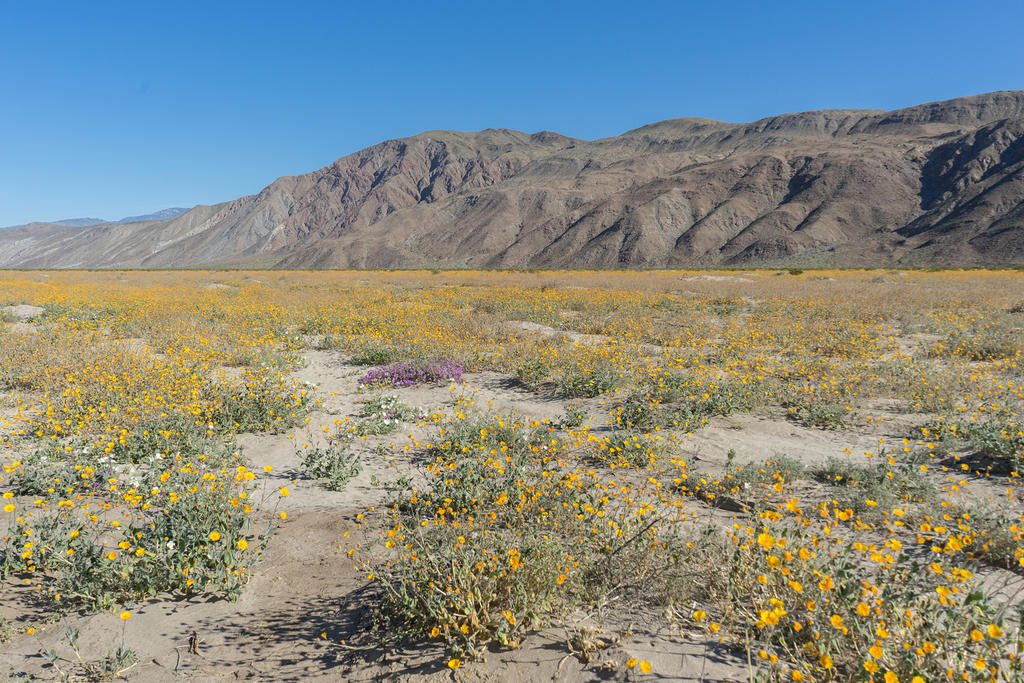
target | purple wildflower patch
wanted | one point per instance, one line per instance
(406, 374)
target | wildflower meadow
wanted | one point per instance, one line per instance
(755, 475)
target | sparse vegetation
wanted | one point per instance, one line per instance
(384, 415)
(593, 381)
(573, 417)
(334, 465)
(736, 463)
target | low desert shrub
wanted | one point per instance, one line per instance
(257, 403)
(587, 382)
(629, 449)
(780, 468)
(376, 355)
(573, 417)
(334, 464)
(807, 608)
(532, 373)
(498, 543)
(981, 342)
(408, 374)
(185, 536)
(385, 414)
(997, 439)
(819, 414)
(873, 490)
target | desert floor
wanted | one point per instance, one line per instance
(307, 607)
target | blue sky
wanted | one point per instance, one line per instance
(113, 108)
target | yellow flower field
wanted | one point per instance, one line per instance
(771, 475)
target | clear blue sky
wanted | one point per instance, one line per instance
(112, 108)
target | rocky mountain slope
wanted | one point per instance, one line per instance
(935, 184)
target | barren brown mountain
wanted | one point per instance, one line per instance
(937, 184)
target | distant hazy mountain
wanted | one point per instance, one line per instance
(161, 215)
(935, 184)
(79, 222)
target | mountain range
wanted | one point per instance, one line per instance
(939, 184)
(162, 214)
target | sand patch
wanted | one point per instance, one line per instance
(23, 312)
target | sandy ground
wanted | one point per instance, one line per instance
(305, 598)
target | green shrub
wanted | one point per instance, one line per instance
(573, 417)
(781, 468)
(532, 373)
(256, 404)
(999, 439)
(586, 383)
(376, 355)
(334, 465)
(886, 486)
(499, 543)
(186, 537)
(811, 596)
(820, 415)
(627, 448)
(981, 342)
(637, 411)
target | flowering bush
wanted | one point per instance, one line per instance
(184, 527)
(408, 374)
(385, 414)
